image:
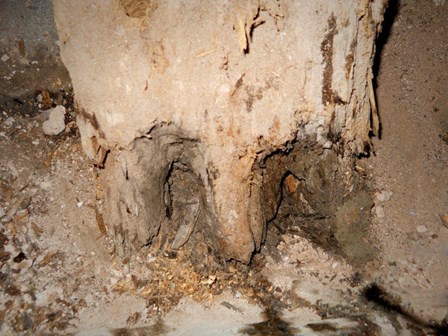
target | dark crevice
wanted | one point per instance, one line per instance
(280, 198)
(389, 19)
(302, 192)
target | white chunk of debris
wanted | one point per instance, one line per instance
(379, 211)
(421, 229)
(383, 196)
(56, 122)
(5, 58)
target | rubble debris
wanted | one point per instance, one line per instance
(22, 202)
(56, 122)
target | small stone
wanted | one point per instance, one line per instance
(2, 212)
(56, 122)
(5, 58)
(379, 211)
(9, 121)
(383, 196)
(327, 145)
(421, 229)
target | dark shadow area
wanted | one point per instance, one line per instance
(389, 19)
(390, 304)
(272, 325)
(303, 194)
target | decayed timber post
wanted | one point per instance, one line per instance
(217, 86)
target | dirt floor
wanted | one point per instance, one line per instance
(411, 162)
(59, 273)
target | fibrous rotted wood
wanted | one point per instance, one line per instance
(238, 80)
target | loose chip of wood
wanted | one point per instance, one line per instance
(133, 319)
(46, 100)
(231, 306)
(49, 258)
(37, 229)
(75, 147)
(100, 222)
(4, 256)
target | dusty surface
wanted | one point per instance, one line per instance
(411, 162)
(30, 58)
(59, 272)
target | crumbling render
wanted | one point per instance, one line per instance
(213, 88)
